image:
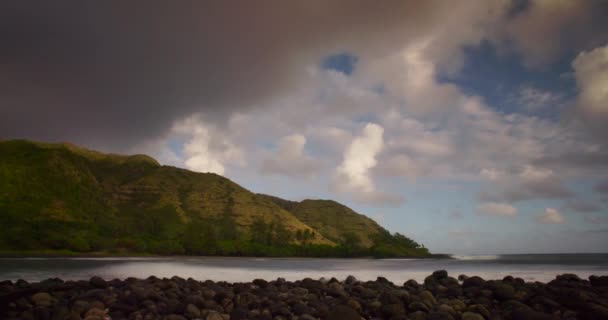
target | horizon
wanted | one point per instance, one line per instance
(473, 130)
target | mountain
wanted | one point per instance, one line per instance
(58, 196)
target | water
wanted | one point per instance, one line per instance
(529, 267)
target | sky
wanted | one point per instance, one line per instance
(480, 128)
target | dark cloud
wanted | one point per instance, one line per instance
(602, 187)
(112, 73)
(548, 189)
(582, 206)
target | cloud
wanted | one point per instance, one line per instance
(535, 99)
(497, 209)
(290, 159)
(528, 183)
(550, 216)
(359, 158)
(581, 206)
(548, 28)
(591, 74)
(114, 74)
(205, 150)
(456, 214)
(353, 174)
(601, 187)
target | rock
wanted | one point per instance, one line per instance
(478, 308)
(594, 311)
(418, 315)
(260, 283)
(300, 308)
(457, 304)
(212, 315)
(439, 315)
(471, 316)
(446, 308)
(411, 283)
(428, 298)
(336, 290)
(351, 280)
(418, 306)
(192, 311)
(462, 277)
(175, 317)
(239, 314)
(80, 306)
(42, 313)
(342, 312)
(393, 310)
(98, 282)
(354, 304)
(502, 291)
(388, 298)
(440, 274)
(567, 277)
(601, 281)
(473, 282)
(42, 299)
(95, 314)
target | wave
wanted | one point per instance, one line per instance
(476, 257)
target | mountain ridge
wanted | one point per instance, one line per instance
(64, 197)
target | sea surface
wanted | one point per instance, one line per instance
(530, 267)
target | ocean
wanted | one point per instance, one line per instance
(530, 267)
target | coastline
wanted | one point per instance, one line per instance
(72, 254)
(440, 296)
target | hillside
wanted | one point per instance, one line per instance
(63, 197)
(333, 220)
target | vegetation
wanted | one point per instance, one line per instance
(62, 198)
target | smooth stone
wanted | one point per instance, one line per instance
(342, 312)
(192, 311)
(472, 316)
(42, 299)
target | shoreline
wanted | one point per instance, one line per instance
(440, 296)
(65, 254)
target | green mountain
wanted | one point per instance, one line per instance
(57, 196)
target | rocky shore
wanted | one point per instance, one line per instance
(440, 297)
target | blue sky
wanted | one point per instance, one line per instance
(477, 128)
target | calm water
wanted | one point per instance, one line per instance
(529, 267)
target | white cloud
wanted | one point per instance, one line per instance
(490, 174)
(352, 176)
(591, 74)
(550, 216)
(290, 159)
(206, 149)
(359, 158)
(497, 209)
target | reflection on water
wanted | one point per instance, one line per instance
(529, 267)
